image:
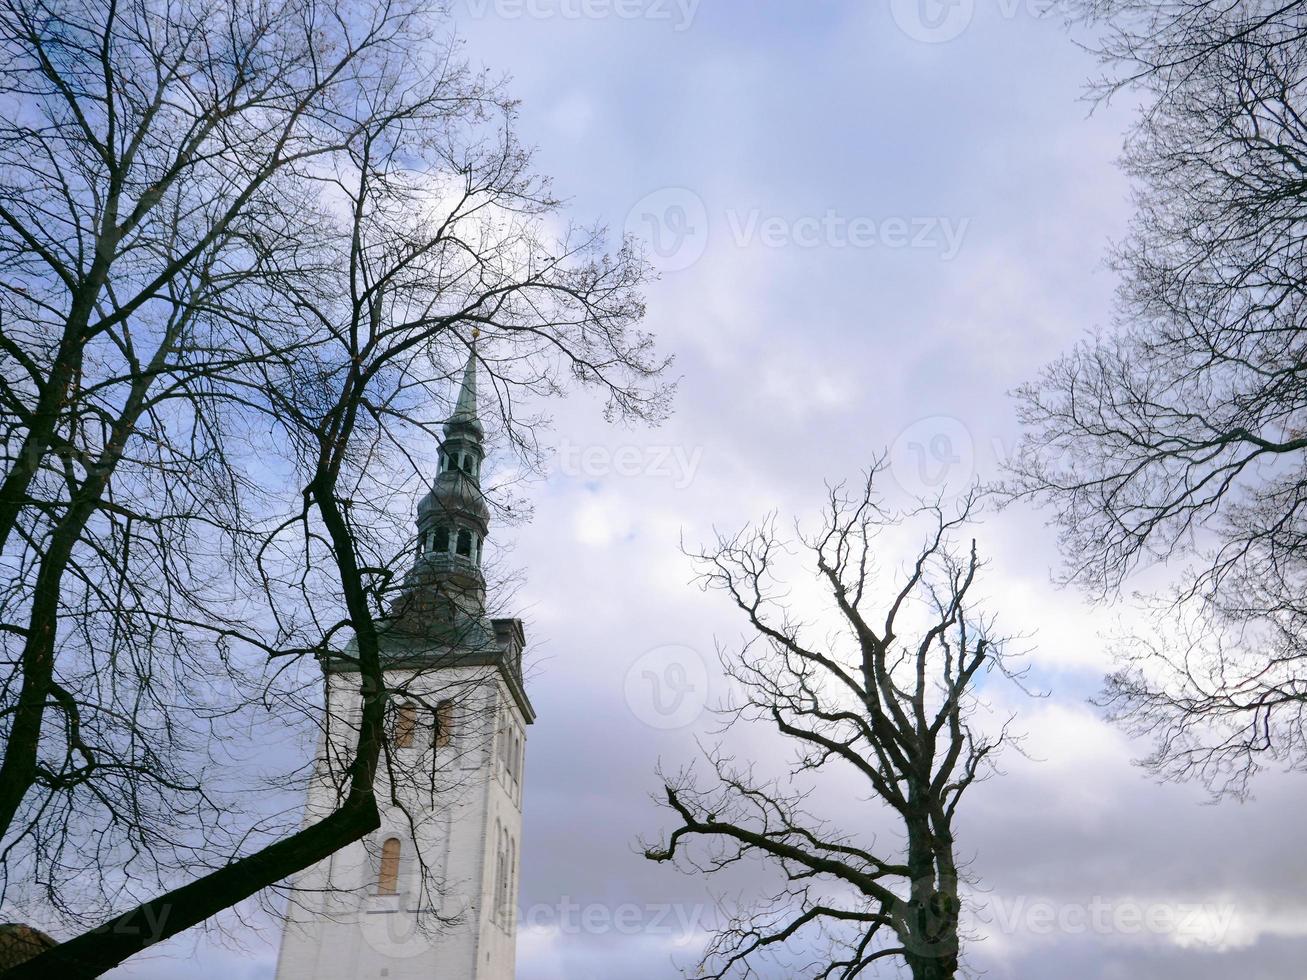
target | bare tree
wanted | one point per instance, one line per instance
(1178, 438)
(886, 695)
(243, 249)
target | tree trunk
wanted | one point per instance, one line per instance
(101, 949)
(932, 910)
(927, 967)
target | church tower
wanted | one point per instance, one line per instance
(432, 894)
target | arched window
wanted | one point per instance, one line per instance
(476, 546)
(406, 721)
(500, 870)
(444, 723)
(501, 896)
(512, 882)
(388, 873)
(465, 543)
(442, 539)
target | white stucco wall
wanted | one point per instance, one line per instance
(451, 803)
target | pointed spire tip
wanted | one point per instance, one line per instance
(465, 407)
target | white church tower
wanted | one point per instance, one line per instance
(432, 894)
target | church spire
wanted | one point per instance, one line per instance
(453, 519)
(465, 410)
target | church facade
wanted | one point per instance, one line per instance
(432, 894)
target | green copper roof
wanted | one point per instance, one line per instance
(465, 409)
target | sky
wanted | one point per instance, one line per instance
(871, 221)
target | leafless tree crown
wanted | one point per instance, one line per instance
(885, 690)
(243, 249)
(1178, 437)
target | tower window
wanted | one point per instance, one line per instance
(442, 539)
(501, 873)
(406, 719)
(499, 868)
(509, 912)
(465, 543)
(388, 873)
(444, 723)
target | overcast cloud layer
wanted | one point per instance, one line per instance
(870, 226)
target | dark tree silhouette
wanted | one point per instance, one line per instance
(243, 249)
(889, 695)
(1178, 437)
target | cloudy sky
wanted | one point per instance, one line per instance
(871, 224)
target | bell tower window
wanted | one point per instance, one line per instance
(442, 539)
(406, 720)
(388, 872)
(465, 543)
(444, 724)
